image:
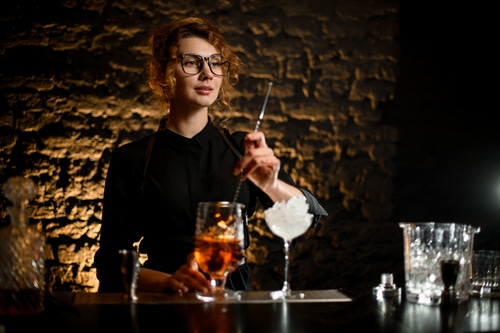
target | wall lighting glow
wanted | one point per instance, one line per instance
(497, 192)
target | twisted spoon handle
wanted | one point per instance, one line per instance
(257, 125)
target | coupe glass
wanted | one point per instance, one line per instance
(288, 220)
(219, 245)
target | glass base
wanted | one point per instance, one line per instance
(483, 291)
(290, 294)
(219, 295)
(130, 297)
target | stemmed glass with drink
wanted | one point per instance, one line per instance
(288, 220)
(219, 245)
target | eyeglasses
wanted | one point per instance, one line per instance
(192, 64)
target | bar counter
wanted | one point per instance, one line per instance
(320, 311)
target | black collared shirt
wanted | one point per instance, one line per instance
(160, 208)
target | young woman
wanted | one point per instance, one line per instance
(153, 186)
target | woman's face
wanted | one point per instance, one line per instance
(195, 91)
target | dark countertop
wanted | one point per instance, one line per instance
(89, 312)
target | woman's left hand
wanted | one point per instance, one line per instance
(259, 164)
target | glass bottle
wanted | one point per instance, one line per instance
(22, 264)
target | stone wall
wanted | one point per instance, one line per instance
(73, 88)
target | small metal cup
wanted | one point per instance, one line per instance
(130, 267)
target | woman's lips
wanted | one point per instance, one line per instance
(205, 90)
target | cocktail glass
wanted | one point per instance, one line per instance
(219, 245)
(288, 220)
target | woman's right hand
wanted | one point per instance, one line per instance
(188, 278)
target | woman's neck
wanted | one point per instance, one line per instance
(186, 124)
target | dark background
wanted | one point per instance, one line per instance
(448, 156)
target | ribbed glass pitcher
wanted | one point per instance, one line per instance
(426, 246)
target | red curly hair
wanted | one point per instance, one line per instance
(164, 45)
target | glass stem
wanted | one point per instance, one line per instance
(218, 284)
(286, 286)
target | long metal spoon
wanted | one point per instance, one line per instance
(257, 125)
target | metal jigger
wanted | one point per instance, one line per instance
(130, 267)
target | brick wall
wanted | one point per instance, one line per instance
(73, 88)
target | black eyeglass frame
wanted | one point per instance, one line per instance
(203, 60)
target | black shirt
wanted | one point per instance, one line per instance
(158, 204)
